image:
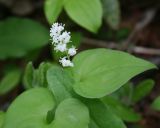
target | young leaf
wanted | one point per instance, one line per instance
(2, 116)
(142, 90)
(30, 109)
(60, 83)
(36, 77)
(124, 94)
(10, 81)
(28, 76)
(42, 71)
(71, 113)
(101, 116)
(52, 9)
(101, 71)
(112, 12)
(124, 112)
(86, 13)
(20, 36)
(156, 104)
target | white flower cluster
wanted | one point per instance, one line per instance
(60, 40)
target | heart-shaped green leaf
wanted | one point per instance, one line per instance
(30, 109)
(20, 36)
(71, 113)
(101, 71)
(87, 13)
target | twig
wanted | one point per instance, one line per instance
(148, 16)
(113, 45)
(143, 50)
(100, 43)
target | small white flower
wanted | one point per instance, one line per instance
(65, 37)
(55, 39)
(60, 40)
(61, 47)
(65, 62)
(56, 29)
(72, 51)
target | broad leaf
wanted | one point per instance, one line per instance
(86, 13)
(29, 110)
(10, 81)
(101, 71)
(60, 83)
(2, 116)
(71, 113)
(156, 104)
(52, 9)
(142, 90)
(112, 12)
(20, 36)
(124, 112)
(101, 116)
